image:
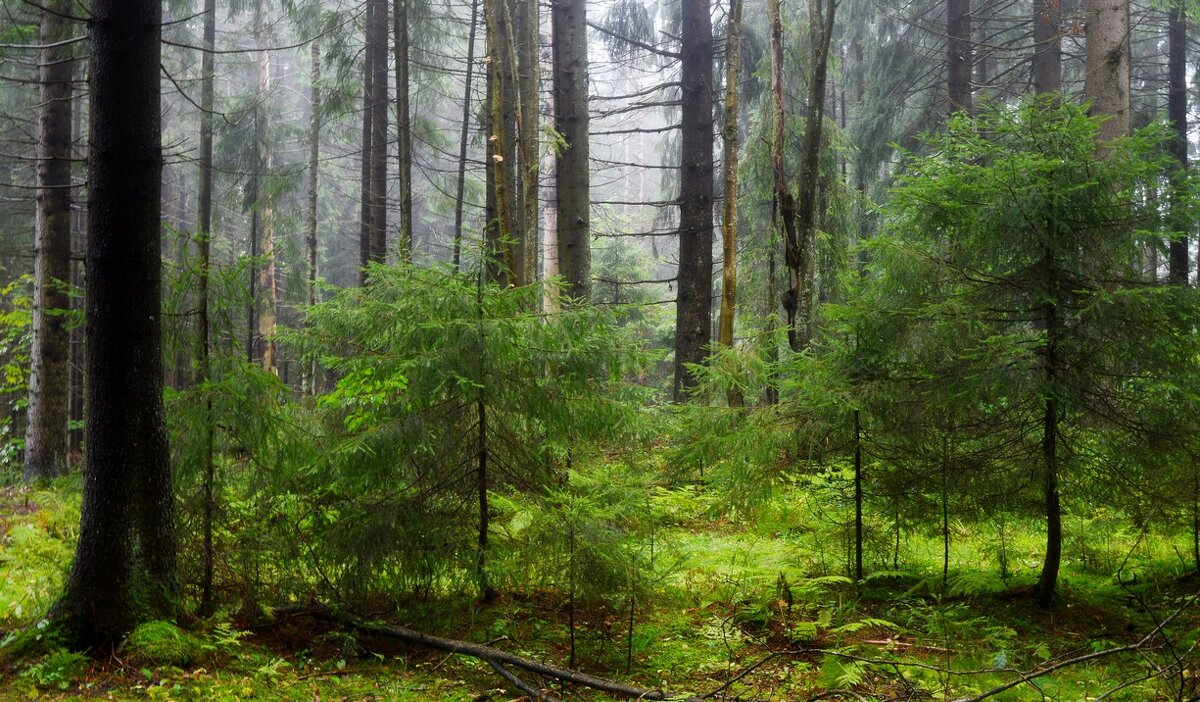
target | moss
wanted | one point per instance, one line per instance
(161, 643)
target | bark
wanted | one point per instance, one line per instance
(124, 566)
(1047, 47)
(49, 377)
(527, 47)
(463, 134)
(858, 499)
(572, 180)
(1106, 83)
(365, 211)
(800, 244)
(1048, 579)
(314, 161)
(403, 128)
(693, 307)
(1177, 115)
(729, 134)
(783, 205)
(501, 261)
(203, 345)
(265, 207)
(958, 54)
(377, 45)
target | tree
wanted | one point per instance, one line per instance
(1047, 46)
(46, 432)
(571, 165)
(1106, 82)
(1177, 115)
(1008, 263)
(958, 54)
(729, 137)
(204, 201)
(124, 567)
(693, 306)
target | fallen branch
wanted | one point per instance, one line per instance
(499, 660)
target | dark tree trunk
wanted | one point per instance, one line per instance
(571, 168)
(265, 204)
(124, 567)
(800, 245)
(1048, 579)
(365, 210)
(693, 306)
(958, 54)
(858, 498)
(729, 138)
(377, 45)
(500, 254)
(49, 378)
(403, 128)
(203, 345)
(463, 134)
(527, 50)
(314, 162)
(1047, 47)
(1177, 113)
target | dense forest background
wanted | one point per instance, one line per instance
(838, 349)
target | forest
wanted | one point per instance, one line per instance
(511, 350)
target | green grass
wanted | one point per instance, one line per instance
(728, 593)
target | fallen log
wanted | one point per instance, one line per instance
(499, 660)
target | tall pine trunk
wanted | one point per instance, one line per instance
(314, 161)
(958, 54)
(729, 133)
(1106, 81)
(203, 345)
(462, 137)
(265, 205)
(1047, 47)
(1177, 114)
(572, 179)
(403, 128)
(49, 378)
(377, 45)
(124, 566)
(693, 306)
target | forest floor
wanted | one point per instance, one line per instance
(734, 617)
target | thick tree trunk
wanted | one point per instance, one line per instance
(203, 345)
(49, 378)
(693, 306)
(572, 180)
(462, 138)
(1177, 113)
(958, 54)
(729, 135)
(800, 246)
(1107, 65)
(124, 567)
(501, 261)
(377, 45)
(1047, 47)
(403, 128)
(1048, 579)
(527, 49)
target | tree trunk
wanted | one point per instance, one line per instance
(365, 210)
(800, 247)
(49, 377)
(858, 499)
(499, 253)
(377, 45)
(1047, 47)
(958, 54)
(403, 128)
(693, 307)
(1106, 81)
(1177, 114)
(1048, 579)
(265, 205)
(124, 567)
(314, 161)
(527, 49)
(572, 180)
(203, 345)
(729, 134)
(462, 138)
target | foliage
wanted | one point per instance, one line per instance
(16, 336)
(446, 389)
